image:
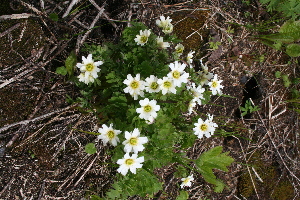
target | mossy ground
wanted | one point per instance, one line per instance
(189, 25)
(267, 180)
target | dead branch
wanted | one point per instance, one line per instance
(25, 122)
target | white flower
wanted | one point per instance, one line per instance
(179, 49)
(150, 121)
(151, 84)
(148, 109)
(129, 162)
(86, 78)
(178, 74)
(168, 29)
(206, 128)
(160, 42)
(142, 38)
(215, 85)
(187, 181)
(192, 105)
(204, 75)
(189, 57)
(166, 85)
(197, 92)
(108, 134)
(135, 86)
(210, 119)
(88, 69)
(163, 22)
(134, 142)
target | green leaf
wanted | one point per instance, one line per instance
(278, 38)
(142, 183)
(61, 70)
(277, 74)
(70, 63)
(293, 50)
(183, 195)
(214, 159)
(291, 29)
(90, 148)
(54, 17)
(112, 78)
(119, 100)
(286, 80)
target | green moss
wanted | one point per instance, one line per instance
(283, 191)
(189, 27)
(270, 188)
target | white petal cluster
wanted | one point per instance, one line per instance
(89, 69)
(189, 57)
(179, 49)
(166, 85)
(187, 181)
(197, 92)
(148, 109)
(130, 163)
(134, 143)
(206, 127)
(135, 86)
(215, 85)
(204, 75)
(160, 42)
(109, 135)
(142, 38)
(192, 105)
(177, 74)
(151, 84)
(165, 24)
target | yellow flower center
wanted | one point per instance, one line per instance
(176, 74)
(144, 39)
(186, 181)
(167, 28)
(134, 84)
(129, 161)
(147, 108)
(179, 50)
(203, 127)
(110, 134)
(153, 85)
(167, 84)
(89, 67)
(133, 141)
(214, 84)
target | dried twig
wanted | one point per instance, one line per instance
(70, 7)
(90, 29)
(10, 29)
(17, 16)
(273, 143)
(104, 14)
(25, 122)
(9, 183)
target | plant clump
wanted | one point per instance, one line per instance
(147, 88)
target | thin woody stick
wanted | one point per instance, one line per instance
(70, 7)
